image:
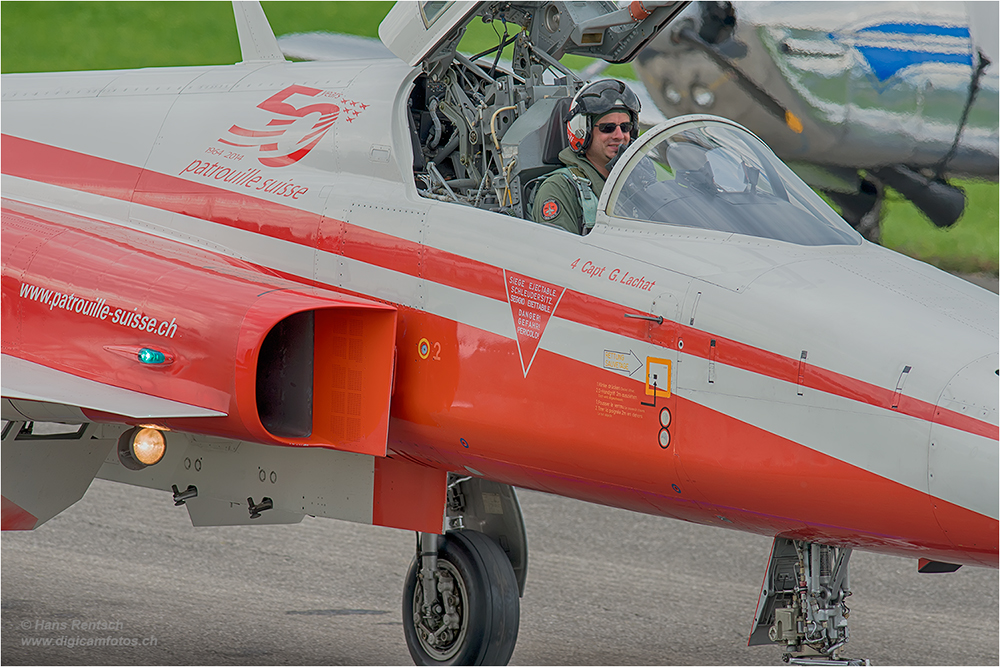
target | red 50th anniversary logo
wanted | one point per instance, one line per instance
(296, 131)
(300, 117)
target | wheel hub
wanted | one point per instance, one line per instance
(442, 632)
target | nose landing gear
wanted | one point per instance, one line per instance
(802, 603)
(460, 602)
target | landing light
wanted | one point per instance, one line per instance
(702, 95)
(140, 447)
(671, 93)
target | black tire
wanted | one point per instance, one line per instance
(486, 599)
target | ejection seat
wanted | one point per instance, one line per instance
(536, 137)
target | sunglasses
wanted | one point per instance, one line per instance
(608, 128)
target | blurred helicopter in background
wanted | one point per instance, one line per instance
(852, 95)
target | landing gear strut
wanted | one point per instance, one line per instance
(802, 603)
(862, 209)
(460, 601)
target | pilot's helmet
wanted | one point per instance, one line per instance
(593, 101)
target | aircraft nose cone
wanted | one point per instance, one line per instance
(964, 459)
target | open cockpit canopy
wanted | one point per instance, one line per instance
(429, 32)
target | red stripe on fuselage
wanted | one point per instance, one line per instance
(58, 166)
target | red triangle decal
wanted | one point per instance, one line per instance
(532, 303)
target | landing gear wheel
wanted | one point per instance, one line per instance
(475, 619)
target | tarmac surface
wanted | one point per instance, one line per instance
(605, 586)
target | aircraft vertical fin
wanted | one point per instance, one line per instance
(257, 41)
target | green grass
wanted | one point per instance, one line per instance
(63, 36)
(971, 245)
(59, 36)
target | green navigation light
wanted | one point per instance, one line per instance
(148, 355)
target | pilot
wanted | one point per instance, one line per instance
(603, 119)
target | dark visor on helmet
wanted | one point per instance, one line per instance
(603, 96)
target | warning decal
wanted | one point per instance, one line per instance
(532, 303)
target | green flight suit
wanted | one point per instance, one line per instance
(557, 201)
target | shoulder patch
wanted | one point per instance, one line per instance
(550, 209)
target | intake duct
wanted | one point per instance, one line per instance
(285, 377)
(324, 377)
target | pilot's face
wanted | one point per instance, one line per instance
(604, 146)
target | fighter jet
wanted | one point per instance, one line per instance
(275, 289)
